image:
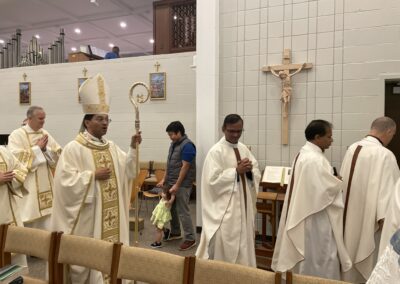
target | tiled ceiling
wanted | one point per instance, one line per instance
(99, 23)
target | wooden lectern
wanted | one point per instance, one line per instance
(82, 56)
(269, 204)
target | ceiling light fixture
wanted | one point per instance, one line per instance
(77, 31)
(175, 17)
(37, 36)
(111, 45)
(73, 49)
(2, 41)
(122, 25)
(151, 41)
(94, 2)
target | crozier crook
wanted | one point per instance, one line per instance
(136, 100)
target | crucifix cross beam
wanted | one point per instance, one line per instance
(284, 73)
(157, 66)
(286, 64)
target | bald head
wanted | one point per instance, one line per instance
(383, 124)
(384, 128)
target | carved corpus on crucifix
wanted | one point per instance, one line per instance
(283, 72)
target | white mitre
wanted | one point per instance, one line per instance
(94, 94)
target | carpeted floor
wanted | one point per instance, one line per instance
(146, 237)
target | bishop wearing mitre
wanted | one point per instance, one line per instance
(92, 183)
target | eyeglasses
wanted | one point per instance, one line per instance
(100, 119)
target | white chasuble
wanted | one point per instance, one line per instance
(39, 181)
(375, 175)
(310, 235)
(92, 208)
(10, 192)
(228, 230)
(387, 270)
(392, 219)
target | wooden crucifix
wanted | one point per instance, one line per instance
(283, 72)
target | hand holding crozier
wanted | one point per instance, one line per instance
(137, 138)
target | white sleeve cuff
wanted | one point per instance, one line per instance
(38, 158)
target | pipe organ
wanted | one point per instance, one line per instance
(11, 54)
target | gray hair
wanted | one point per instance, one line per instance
(383, 124)
(31, 111)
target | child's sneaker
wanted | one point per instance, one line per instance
(156, 245)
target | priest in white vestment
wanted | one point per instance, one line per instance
(12, 176)
(93, 180)
(229, 187)
(392, 219)
(37, 150)
(310, 235)
(370, 173)
(387, 270)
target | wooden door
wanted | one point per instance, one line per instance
(392, 110)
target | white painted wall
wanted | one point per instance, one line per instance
(352, 44)
(207, 85)
(54, 87)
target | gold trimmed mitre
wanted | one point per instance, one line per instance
(94, 94)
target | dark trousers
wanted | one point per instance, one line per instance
(180, 212)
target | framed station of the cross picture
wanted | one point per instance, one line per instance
(24, 92)
(158, 86)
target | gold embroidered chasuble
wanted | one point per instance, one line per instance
(10, 191)
(88, 207)
(110, 220)
(39, 180)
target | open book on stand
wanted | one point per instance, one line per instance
(11, 272)
(279, 175)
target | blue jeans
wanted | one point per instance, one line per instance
(395, 242)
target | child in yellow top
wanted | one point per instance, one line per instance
(162, 215)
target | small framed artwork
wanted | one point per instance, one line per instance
(80, 82)
(158, 84)
(24, 93)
